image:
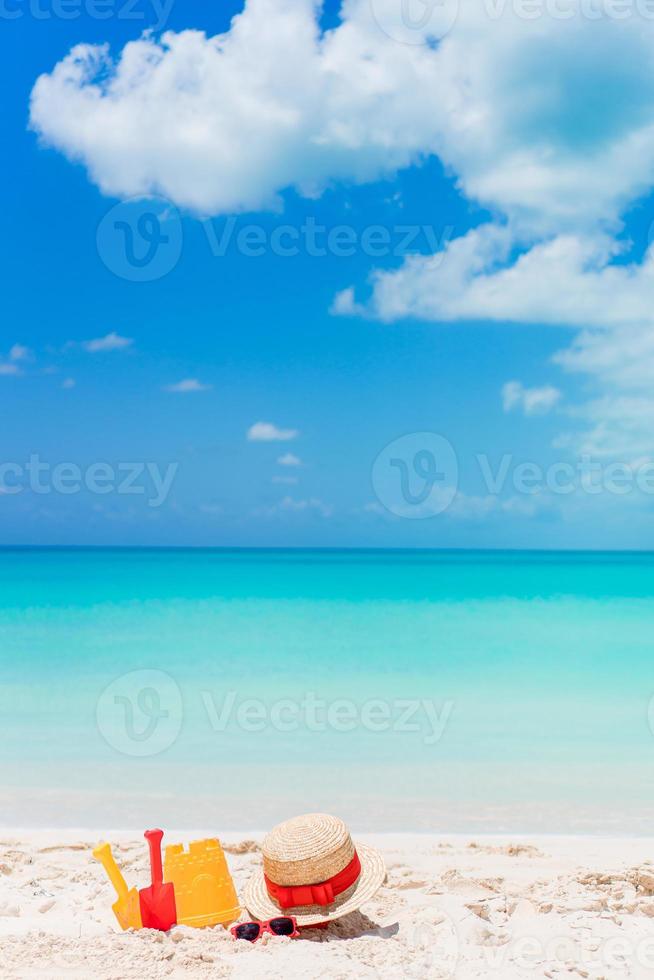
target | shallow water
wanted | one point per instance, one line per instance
(405, 690)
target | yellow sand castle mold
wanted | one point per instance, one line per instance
(204, 890)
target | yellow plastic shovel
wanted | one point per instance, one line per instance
(127, 909)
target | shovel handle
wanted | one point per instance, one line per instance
(154, 838)
(102, 853)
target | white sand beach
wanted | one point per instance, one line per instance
(452, 906)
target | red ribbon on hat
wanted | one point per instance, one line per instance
(322, 893)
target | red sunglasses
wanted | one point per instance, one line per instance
(281, 925)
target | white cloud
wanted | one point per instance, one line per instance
(511, 105)
(289, 459)
(618, 425)
(68, 383)
(112, 341)
(290, 505)
(11, 366)
(345, 304)
(467, 507)
(547, 122)
(187, 386)
(314, 504)
(220, 124)
(532, 401)
(20, 353)
(622, 358)
(567, 280)
(267, 432)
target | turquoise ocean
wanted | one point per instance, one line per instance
(405, 690)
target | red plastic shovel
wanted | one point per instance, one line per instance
(157, 902)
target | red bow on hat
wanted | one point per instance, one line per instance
(323, 893)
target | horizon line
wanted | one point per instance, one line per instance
(322, 549)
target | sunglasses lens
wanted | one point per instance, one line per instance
(282, 926)
(248, 930)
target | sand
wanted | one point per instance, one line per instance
(451, 907)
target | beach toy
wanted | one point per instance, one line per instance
(204, 890)
(127, 909)
(157, 902)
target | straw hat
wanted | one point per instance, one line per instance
(312, 862)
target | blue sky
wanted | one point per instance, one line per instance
(526, 338)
